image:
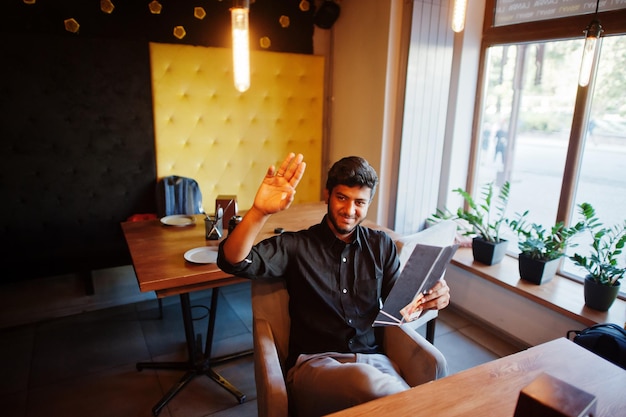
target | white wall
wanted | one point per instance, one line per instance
(359, 71)
(514, 315)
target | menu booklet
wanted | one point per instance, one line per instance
(424, 268)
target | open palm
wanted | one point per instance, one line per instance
(278, 188)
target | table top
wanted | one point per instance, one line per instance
(157, 251)
(492, 389)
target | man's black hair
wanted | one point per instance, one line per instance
(352, 171)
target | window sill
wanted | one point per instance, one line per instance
(561, 295)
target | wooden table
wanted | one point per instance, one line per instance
(157, 254)
(157, 250)
(492, 389)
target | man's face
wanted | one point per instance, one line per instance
(347, 207)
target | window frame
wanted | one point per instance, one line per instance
(613, 22)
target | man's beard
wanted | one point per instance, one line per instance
(340, 230)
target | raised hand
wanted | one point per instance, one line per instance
(275, 194)
(278, 188)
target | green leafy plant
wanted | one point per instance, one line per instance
(607, 244)
(483, 219)
(539, 242)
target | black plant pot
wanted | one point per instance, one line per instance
(599, 297)
(536, 271)
(488, 253)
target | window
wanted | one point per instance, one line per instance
(532, 115)
(601, 180)
(526, 118)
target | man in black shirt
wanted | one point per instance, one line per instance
(337, 273)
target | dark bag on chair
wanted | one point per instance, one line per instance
(178, 195)
(607, 340)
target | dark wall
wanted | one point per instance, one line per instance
(77, 151)
(76, 138)
(132, 19)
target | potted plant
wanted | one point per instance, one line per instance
(541, 248)
(483, 222)
(602, 282)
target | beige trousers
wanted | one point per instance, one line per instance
(323, 383)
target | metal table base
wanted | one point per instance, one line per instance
(199, 362)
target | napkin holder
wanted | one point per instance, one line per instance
(548, 396)
(228, 203)
(225, 208)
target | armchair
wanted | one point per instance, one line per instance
(418, 360)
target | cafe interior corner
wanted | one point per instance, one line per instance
(101, 100)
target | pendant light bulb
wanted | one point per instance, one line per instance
(241, 49)
(458, 15)
(592, 35)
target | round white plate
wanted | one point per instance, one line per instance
(202, 255)
(179, 220)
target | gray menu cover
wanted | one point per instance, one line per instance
(424, 268)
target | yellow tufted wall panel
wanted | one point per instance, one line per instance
(207, 130)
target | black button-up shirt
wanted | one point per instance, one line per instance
(335, 288)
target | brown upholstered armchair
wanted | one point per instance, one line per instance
(418, 360)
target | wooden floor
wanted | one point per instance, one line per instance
(75, 355)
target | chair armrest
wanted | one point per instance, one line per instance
(428, 318)
(268, 373)
(418, 360)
